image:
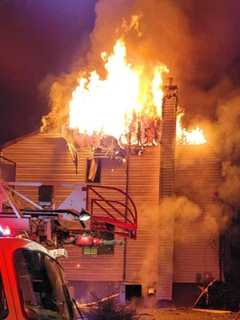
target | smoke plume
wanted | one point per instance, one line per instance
(197, 41)
(189, 215)
(226, 144)
(199, 44)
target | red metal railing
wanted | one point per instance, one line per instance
(121, 214)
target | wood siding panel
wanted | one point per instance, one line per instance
(142, 254)
(196, 244)
(167, 183)
(45, 158)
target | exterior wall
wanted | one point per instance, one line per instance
(144, 189)
(196, 239)
(45, 158)
(167, 183)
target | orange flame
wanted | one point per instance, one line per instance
(117, 104)
(193, 136)
(108, 106)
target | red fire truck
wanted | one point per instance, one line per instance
(31, 283)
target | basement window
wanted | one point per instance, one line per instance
(133, 291)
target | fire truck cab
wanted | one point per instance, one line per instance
(31, 283)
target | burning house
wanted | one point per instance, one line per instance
(131, 142)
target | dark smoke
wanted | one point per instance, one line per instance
(198, 40)
(227, 137)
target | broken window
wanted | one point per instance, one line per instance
(93, 173)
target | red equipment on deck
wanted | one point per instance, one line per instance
(68, 224)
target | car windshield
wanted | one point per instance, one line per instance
(43, 292)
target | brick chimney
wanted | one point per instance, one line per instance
(168, 141)
(167, 179)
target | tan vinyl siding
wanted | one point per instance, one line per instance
(167, 183)
(144, 190)
(45, 158)
(196, 243)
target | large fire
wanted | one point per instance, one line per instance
(126, 103)
(193, 136)
(113, 105)
(106, 106)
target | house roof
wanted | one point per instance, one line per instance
(15, 140)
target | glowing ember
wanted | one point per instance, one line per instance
(112, 106)
(193, 136)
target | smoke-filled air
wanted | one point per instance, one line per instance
(196, 43)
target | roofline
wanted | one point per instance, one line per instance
(15, 140)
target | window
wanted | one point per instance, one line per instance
(90, 251)
(45, 195)
(3, 301)
(109, 235)
(93, 170)
(107, 249)
(42, 289)
(133, 290)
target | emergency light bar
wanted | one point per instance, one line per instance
(4, 232)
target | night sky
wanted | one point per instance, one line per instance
(37, 39)
(40, 40)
